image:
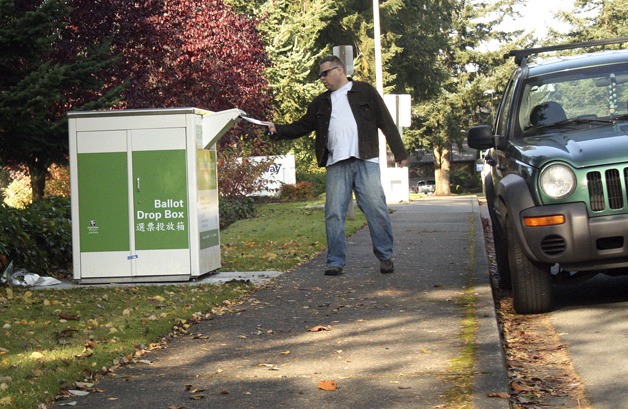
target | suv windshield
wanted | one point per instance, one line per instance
(572, 97)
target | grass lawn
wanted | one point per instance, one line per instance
(281, 237)
(65, 339)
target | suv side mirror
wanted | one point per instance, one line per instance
(481, 137)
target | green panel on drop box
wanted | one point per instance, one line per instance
(160, 198)
(104, 201)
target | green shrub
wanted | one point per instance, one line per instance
(234, 208)
(38, 238)
(299, 192)
(464, 181)
(316, 178)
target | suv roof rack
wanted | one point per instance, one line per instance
(522, 55)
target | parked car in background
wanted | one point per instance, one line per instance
(557, 182)
(427, 187)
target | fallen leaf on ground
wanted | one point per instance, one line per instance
(83, 385)
(327, 385)
(192, 389)
(77, 392)
(319, 328)
(518, 388)
(501, 395)
(157, 298)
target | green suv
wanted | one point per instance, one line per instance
(557, 177)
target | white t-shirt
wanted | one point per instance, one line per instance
(342, 140)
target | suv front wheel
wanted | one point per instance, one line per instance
(531, 281)
(501, 255)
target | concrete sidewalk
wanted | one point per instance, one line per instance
(386, 340)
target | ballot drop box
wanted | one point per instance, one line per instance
(144, 193)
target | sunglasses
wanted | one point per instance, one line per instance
(324, 73)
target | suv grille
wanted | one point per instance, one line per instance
(614, 191)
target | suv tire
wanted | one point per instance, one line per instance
(531, 281)
(501, 255)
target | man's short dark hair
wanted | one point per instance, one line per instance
(332, 59)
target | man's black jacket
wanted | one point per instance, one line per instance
(370, 114)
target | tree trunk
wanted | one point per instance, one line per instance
(38, 181)
(442, 170)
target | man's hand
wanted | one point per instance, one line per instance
(402, 163)
(271, 127)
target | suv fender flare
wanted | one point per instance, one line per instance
(513, 197)
(489, 186)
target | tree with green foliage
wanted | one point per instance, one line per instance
(594, 20)
(473, 77)
(36, 88)
(354, 26)
(297, 34)
(431, 49)
(291, 30)
(413, 33)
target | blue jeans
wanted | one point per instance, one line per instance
(363, 177)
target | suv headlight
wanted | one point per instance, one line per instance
(558, 181)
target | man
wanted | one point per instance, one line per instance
(346, 119)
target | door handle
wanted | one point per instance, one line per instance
(138, 184)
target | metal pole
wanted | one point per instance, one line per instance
(379, 81)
